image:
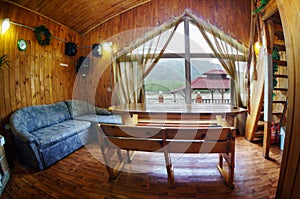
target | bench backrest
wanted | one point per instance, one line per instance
(176, 139)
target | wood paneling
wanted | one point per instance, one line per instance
(289, 175)
(233, 16)
(35, 76)
(81, 15)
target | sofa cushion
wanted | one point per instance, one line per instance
(101, 111)
(98, 110)
(109, 119)
(49, 136)
(32, 118)
(79, 107)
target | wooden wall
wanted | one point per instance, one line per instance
(233, 16)
(289, 179)
(35, 76)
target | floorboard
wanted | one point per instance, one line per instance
(83, 175)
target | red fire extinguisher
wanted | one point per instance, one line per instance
(273, 134)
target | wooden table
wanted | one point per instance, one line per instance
(179, 113)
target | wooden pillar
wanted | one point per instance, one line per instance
(222, 92)
(211, 91)
(233, 98)
(268, 90)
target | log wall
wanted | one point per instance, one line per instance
(35, 75)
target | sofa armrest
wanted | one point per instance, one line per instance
(24, 136)
(27, 148)
(102, 111)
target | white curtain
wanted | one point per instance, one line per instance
(134, 63)
(229, 53)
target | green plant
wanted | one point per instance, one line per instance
(275, 56)
(263, 4)
(4, 61)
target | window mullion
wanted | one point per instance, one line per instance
(188, 93)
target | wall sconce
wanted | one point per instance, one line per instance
(97, 50)
(5, 25)
(107, 46)
(257, 46)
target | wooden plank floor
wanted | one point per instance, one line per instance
(82, 175)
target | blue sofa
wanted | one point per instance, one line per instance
(44, 134)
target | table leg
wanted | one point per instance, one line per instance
(227, 121)
(130, 119)
(221, 121)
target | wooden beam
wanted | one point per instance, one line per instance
(256, 99)
(269, 10)
(182, 55)
(268, 91)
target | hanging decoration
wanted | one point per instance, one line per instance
(43, 35)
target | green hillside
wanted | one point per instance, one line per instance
(169, 74)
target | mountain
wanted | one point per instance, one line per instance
(173, 69)
(169, 74)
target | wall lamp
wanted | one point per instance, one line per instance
(107, 46)
(97, 49)
(257, 46)
(5, 25)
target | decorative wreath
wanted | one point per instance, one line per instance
(43, 35)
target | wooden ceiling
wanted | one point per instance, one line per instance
(79, 15)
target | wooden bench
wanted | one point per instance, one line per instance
(168, 140)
